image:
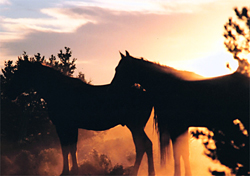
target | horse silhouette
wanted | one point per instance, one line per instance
(179, 104)
(73, 104)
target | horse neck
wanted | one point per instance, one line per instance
(154, 80)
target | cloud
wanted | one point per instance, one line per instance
(58, 21)
(5, 2)
(143, 6)
(68, 16)
(121, 5)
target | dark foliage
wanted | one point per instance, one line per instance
(38, 159)
(100, 164)
(237, 38)
(232, 148)
(26, 119)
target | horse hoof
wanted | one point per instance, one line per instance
(64, 173)
(74, 171)
(152, 174)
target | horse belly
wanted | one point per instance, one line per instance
(96, 126)
(95, 120)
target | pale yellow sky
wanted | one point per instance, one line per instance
(185, 34)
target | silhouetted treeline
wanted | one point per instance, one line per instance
(237, 38)
(26, 119)
(232, 146)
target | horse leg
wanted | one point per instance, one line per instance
(177, 158)
(185, 154)
(140, 150)
(73, 148)
(181, 149)
(142, 145)
(68, 144)
(65, 150)
(149, 152)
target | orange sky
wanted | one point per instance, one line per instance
(185, 34)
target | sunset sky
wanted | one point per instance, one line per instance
(185, 34)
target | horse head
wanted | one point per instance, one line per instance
(22, 79)
(125, 72)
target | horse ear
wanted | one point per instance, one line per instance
(122, 56)
(127, 53)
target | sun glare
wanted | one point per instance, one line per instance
(214, 68)
(245, 56)
(208, 68)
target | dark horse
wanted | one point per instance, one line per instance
(179, 104)
(73, 104)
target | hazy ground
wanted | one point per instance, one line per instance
(98, 153)
(200, 163)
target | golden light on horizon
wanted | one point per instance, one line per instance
(210, 72)
(208, 68)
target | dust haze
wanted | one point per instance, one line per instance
(108, 152)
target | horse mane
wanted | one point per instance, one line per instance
(179, 74)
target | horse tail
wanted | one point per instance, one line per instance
(164, 146)
(164, 139)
